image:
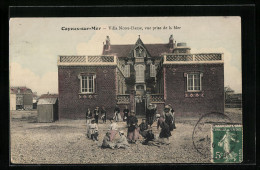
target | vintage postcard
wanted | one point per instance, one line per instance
(128, 90)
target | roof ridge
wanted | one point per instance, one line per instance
(134, 44)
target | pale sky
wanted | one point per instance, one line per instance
(35, 43)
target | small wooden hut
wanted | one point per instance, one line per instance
(47, 108)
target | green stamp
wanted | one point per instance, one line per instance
(227, 143)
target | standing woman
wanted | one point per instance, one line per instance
(88, 116)
(104, 114)
(168, 117)
(117, 113)
(113, 129)
(126, 111)
(96, 114)
(150, 112)
(133, 129)
(173, 116)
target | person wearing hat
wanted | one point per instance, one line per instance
(122, 141)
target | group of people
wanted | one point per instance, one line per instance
(102, 113)
(96, 113)
(165, 121)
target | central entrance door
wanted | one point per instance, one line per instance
(140, 105)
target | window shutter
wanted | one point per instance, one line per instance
(95, 84)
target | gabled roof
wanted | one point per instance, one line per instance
(47, 101)
(45, 96)
(23, 90)
(155, 50)
(228, 89)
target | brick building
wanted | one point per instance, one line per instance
(136, 75)
(23, 98)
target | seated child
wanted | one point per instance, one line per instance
(122, 142)
(107, 143)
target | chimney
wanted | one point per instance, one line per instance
(107, 45)
(171, 44)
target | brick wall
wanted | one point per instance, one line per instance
(71, 105)
(210, 99)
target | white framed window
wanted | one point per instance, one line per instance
(194, 82)
(139, 70)
(127, 70)
(87, 83)
(152, 70)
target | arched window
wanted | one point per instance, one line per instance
(139, 70)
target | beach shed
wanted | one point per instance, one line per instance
(47, 108)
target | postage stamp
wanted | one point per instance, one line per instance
(227, 144)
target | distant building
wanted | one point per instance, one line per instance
(138, 74)
(47, 108)
(23, 98)
(232, 99)
(12, 101)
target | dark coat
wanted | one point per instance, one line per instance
(88, 115)
(117, 109)
(143, 126)
(103, 112)
(133, 123)
(126, 111)
(150, 115)
(165, 130)
(169, 121)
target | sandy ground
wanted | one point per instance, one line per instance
(65, 142)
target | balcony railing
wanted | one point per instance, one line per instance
(157, 98)
(193, 58)
(87, 60)
(123, 98)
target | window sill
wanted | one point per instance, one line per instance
(194, 94)
(193, 91)
(87, 95)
